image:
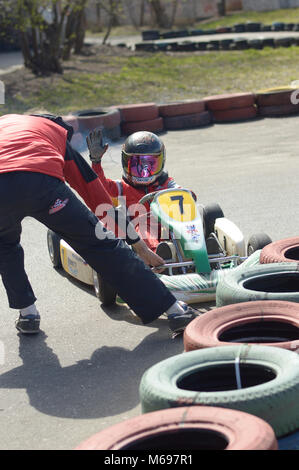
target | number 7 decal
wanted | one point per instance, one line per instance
(181, 201)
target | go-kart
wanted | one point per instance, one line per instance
(204, 245)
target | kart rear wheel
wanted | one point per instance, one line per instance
(53, 241)
(103, 290)
(211, 212)
(257, 242)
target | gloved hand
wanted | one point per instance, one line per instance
(96, 145)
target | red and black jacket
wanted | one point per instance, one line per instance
(41, 143)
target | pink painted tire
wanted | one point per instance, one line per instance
(186, 428)
(281, 251)
(274, 97)
(181, 108)
(236, 114)
(153, 125)
(138, 112)
(278, 110)
(271, 323)
(229, 101)
(188, 121)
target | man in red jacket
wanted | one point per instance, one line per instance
(36, 159)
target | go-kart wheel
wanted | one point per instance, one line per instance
(211, 213)
(103, 290)
(257, 242)
(53, 241)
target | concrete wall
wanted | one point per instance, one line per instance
(187, 11)
(264, 5)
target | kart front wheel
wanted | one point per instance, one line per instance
(257, 242)
(103, 290)
(53, 241)
(211, 213)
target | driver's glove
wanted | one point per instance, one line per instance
(95, 145)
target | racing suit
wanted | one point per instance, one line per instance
(36, 159)
(123, 192)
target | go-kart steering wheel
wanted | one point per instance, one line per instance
(147, 197)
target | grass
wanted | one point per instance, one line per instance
(157, 78)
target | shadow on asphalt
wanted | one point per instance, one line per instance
(105, 384)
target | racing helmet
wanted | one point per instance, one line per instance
(143, 158)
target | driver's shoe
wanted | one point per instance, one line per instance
(28, 324)
(178, 322)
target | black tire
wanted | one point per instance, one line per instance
(257, 242)
(103, 290)
(53, 241)
(211, 212)
(269, 379)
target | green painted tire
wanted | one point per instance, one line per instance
(275, 281)
(269, 377)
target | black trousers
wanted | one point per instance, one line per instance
(53, 203)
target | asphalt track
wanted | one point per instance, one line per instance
(82, 373)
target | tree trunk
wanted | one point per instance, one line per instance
(222, 7)
(159, 13)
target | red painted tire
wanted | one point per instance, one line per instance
(281, 251)
(186, 428)
(227, 102)
(272, 323)
(275, 97)
(233, 115)
(188, 121)
(282, 110)
(138, 112)
(181, 108)
(153, 125)
(89, 119)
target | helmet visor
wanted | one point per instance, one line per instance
(143, 166)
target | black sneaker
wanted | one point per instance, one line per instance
(28, 324)
(178, 322)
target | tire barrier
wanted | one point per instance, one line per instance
(188, 121)
(277, 102)
(140, 117)
(229, 101)
(186, 428)
(250, 26)
(152, 125)
(231, 108)
(275, 281)
(234, 115)
(180, 108)
(259, 380)
(271, 323)
(125, 119)
(281, 251)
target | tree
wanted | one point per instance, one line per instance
(48, 29)
(113, 8)
(222, 7)
(159, 12)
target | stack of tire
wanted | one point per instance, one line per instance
(140, 117)
(232, 107)
(236, 385)
(277, 101)
(184, 115)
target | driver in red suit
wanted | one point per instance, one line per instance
(143, 161)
